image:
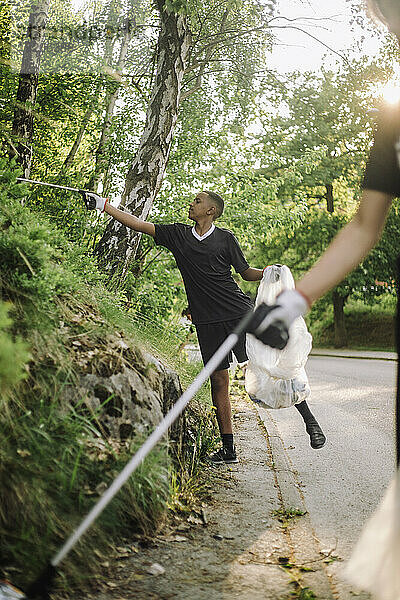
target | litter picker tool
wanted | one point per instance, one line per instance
(52, 185)
(88, 196)
(251, 323)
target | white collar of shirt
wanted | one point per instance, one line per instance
(203, 237)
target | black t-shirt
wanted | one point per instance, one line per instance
(383, 168)
(205, 266)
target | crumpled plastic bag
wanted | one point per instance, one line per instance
(375, 562)
(277, 378)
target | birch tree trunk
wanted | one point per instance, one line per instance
(23, 126)
(119, 244)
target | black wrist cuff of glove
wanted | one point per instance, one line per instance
(88, 199)
(276, 335)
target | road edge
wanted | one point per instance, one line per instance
(305, 546)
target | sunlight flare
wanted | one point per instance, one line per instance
(390, 92)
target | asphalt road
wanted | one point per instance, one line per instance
(343, 482)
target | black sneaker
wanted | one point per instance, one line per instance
(317, 437)
(224, 455)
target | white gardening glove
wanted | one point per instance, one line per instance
(93, 200)
(274, 328)
(290, 305)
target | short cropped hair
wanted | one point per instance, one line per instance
(219, 203)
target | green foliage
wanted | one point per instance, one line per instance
(306, 594)
(30, 266)
(37, 262)
(52, 462)
(49, 471)
(13, 354)
(176, 6)
(54, 455)
(188, 481)
(317, 145)
(284, 514)
(375, 333)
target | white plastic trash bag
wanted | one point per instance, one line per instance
(277, 378)
(375, 562)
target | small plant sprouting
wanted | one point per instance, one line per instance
(306, 594)
(284, 514)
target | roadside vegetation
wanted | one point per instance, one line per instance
(56, 459)
(368, 326)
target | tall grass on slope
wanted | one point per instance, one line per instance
(55, 459)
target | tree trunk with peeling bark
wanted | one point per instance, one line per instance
(23, 125)
(119, 244)
(338, 319)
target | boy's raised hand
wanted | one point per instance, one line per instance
(93, 201)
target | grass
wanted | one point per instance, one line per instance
(56, 459)
(187, 481)
(368, 327)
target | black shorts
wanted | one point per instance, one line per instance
(212, 335)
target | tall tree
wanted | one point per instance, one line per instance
(23, 122)
(216, 53)
(113, 88)
(144, 178)
(328, 119)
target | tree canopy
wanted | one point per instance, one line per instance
(111, 113)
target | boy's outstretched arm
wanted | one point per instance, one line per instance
(94, 201)
(130, 221)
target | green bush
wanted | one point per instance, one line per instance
(37, 262)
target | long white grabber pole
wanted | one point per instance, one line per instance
(52, 185)
(40, 588)
(151, 441)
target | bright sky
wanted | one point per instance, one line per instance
(327, 20)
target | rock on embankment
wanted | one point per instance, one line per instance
(127, 389)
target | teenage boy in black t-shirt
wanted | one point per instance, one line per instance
(204, 255)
